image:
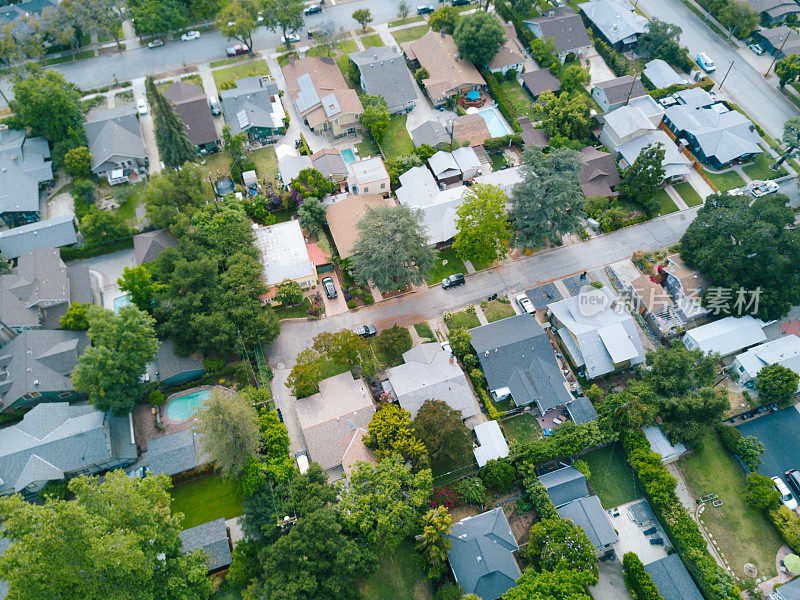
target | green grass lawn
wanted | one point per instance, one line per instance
(498, 161)
(412, 33)
(462, 320)
(266, 162)
(667, 204)
(294, 312)
(497, 310)
(726, 181)
(518, 97)
(440, 271)
(238, 71)
(481, 265)
(743, 535)
(397, 141)
(205, 499)
(330, 368)
(759, 168)
(424, 330)
(228, 61)
(406, 21)
(688, 193)
(393, 358)
(522, 429)
(367, 148)
(611, 478)
(398, 577)
(372, 41)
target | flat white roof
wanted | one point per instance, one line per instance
(283, 252)
(618, 343)
(492, 442)
(726, 336)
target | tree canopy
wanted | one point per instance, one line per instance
(478, 37)
(228, 430)
(559, 545)
(174, 146)
(238, 21)
(442, 431)
(642, 180)
(551, 585)
(390, 432)
(312, 214)
(444, 18)
(363, 17)
(482, 224)
(285, 16)
(172, 198)
(565, 119)
(676, 370)
(777, 384)
(375, 117)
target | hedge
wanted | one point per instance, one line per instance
(788, 524)
(569, 439)
(639, 579)
(89, 251)
(503, 105)
(729, 436)
(535, 495)
(503, 141)
(615, 61)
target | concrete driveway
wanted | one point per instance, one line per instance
(106, 270)
(146, 125)
(333, 306)
(611, 584)
(780, 434)
(284, 400)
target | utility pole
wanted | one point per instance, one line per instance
(726, 74)
(630, 91)
(776, 55)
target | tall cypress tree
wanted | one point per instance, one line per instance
(173, 144)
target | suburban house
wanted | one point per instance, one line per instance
(672, 580)
(540, 81)
(772, 12)
(384, 73)
(285, 255)
(344, 215)
(25, 169)
(519, 363)
(565, 28)
(430, 133)
(175, 453)
(726, 336)
(482, 554)
(616, 21)
(57, 441)
(471, 129)
(115, 143)
(254, 107)
(330, 163)
(599, 174)
(34, 8)
(50, 233)
(686, 287)
(191, 106)
(567, 489)
(334, 419)
(36, 367)
(368, 176)
(449, 75)
(716, 135)
(289, 167)
(430, 373)
(321, 96)
(33, 294)
(779, 41)
(451, 167)
(468, 162)
(787, 591)
(784, 351)
(212, 539)
(491, 443)
(661, 75)
(509, 56)
(597, 332)
(171, 369)
(149, 245)
(530, 135)
(614, 93)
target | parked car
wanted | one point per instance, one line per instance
(424, 9)
(330, 289)
(525, 303)
(786, 496)
(365, 330)
(237, 50)
(705, 62)
(292, 38)
(155, 44)
(793, 477)
(313, 9)
(190, 35)
(301, 456)
(141, 106)
(453, 281)
(460, 2)
(214, 105)
(763, 188)
(756, 48)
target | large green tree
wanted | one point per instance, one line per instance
(748, 246)
(442, 431)
(139, 284)
(227, 426)
(122, 346)
(662, 40)
(478, 37)
(392, 248)
(739, 18)
(173, 144)
(482, 225)
(547, 203)
(390, 433)
(363, 17)
(551, 585)
(158, 17)
(238, 21)
(285, 16)
(688, 418)
(103, 16)
(565, 119)
(444, 18)
(791, 138)
(172, 198)
(575, 78)
(433, 543)
(312, 215)
(777, 384)
(375, 117)
(559, 545)
(676, 370)
(103, 227)
(787, 69)
(642, 180)
(78, 163)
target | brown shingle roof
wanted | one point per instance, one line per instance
(192, 108)
(327, 80)
(540, 81)
(565, 28)
(357, 452)
(653, 296)
(508, 55)
(599, 173)
(530, 135)
(472, 129)
(622, 89)
(345, 214)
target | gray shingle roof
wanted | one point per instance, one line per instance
(564, 485)
(672, 579)
(481, 555)
(192, 106)
(169, 364)
(661, 74)
(565, 28)
(581, 410)
(24, 165)
(149, 245)
(114, 132)
(621, 89)
(212, 539)
(540, 81)
(255, 96)
(615, 19)
(384, 73)
(588, 514)
(39, 282)
(52, 233)
(175, 453)
(516, 353)
(431, 133)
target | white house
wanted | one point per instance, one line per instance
(491, 442)
(726, 336)
(784, 351)
(284, 254)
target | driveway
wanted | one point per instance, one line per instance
(106, 270)
(285, 402)
(611, 583)
(780, 434)
(598, 69)
(148, 130)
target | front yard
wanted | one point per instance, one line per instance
(612, 479)
(759, 168)
(688, 193)
(238, 71)
(727, 180)
(440, 271)
(496, 310)
(372, 41)
(205, 499)
(462, 320)
(667, 204)
(412, 33)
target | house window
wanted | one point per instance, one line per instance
(383, 185)
(741, 369)
(336, 121)
(366, 190)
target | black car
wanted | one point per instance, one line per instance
(365, 330)
(460, 2)
(453, 281)
(424, 9)
(330, 289)
(313, 10)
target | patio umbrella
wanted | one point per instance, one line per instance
(792, 562)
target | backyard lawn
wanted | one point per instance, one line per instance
(743, 535)
(497, 310)
(238, 71)
(726, 181)
(759, 168)
(372, 41)
(397, 141)
(688, 193)
(518, 97)
(440, 271)
(611, 478)
(367, 148)
(398, 577)
(462, 320)
(498, 161)
(521, 429)
(412, 33)
(264, 158)
(667, 204)
(205, 499)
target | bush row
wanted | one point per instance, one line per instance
(508, 14)
(788, 524)
(503, 105)
(534, 494)
(639, 579)
(615, 61)
(502, 141)
(569, 439)
(89, 251)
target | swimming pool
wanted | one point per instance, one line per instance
(495, 122)
(120, 301)
(182, 407)
(348, 155)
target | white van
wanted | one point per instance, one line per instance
(302, 461)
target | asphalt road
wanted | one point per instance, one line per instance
(747, 87)
(780, 434)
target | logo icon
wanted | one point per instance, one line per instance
(592, 301)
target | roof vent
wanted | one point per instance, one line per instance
(35, 382)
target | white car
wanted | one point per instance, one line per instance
(756, 48)
(291, 38)
(141, 106)
(786, 496)
(525, 303)
(155, 44)
(190, 35)
(763, 188)
(705, 62)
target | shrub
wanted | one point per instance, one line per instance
(351, 304)
(56, 489)
(477, 378)
(583, 468)
(761, 493)
(213, 364)
(156, 398)
(788, 524)
(615, 61)
(503, 141)
(639, 579)
(493, 413)
(471, 490)
(729, 436)
(535, 493)
(449, 591)
(499, 476)
(511, 74)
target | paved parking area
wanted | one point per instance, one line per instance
(543, 295)
(631, 536)
(780, 434)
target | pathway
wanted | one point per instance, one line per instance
(676, 197)
(148, 129)
(699, 184)
(479, 313)
(129, 33)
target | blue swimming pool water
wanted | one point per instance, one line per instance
(495, 122)
(121, 301)
(182, 407)
(348, 155)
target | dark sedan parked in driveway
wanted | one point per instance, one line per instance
(330, 289)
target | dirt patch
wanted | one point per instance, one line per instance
(462, 512)
(520, 523)
(60, 205)
(423, 590)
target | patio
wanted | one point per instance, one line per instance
(552, 419)
(630, 521)
(472, 98)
